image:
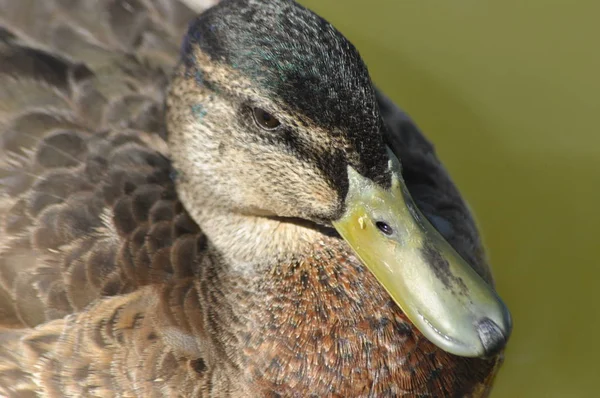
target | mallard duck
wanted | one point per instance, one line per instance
(278, 228)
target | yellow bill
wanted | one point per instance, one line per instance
(435, 287)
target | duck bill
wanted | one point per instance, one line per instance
(435, 287)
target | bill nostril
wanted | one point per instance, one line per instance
(384, 227)
(491, 336)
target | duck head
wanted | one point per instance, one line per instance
(272, 116)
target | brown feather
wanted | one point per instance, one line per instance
(109, 288)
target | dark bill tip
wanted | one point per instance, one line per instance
(492, 337)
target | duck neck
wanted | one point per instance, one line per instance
(298, 323)
(253, 244)
(296, 313)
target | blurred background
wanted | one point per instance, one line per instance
(508, 90)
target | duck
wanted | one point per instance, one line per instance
(238, 213)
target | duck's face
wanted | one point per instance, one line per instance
(272, 113)
(278, 104)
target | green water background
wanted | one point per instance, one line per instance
(508, 90)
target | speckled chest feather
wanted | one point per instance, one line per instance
(109, 288)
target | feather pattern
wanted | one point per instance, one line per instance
(109, 288)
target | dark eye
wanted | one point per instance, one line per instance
(265, 120)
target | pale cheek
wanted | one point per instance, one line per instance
(311, 190)
(321, 193)
(326, 197)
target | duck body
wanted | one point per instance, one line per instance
(114, 280)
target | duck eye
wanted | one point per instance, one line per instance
(265, 120)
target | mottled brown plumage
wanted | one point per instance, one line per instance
(108, 286)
